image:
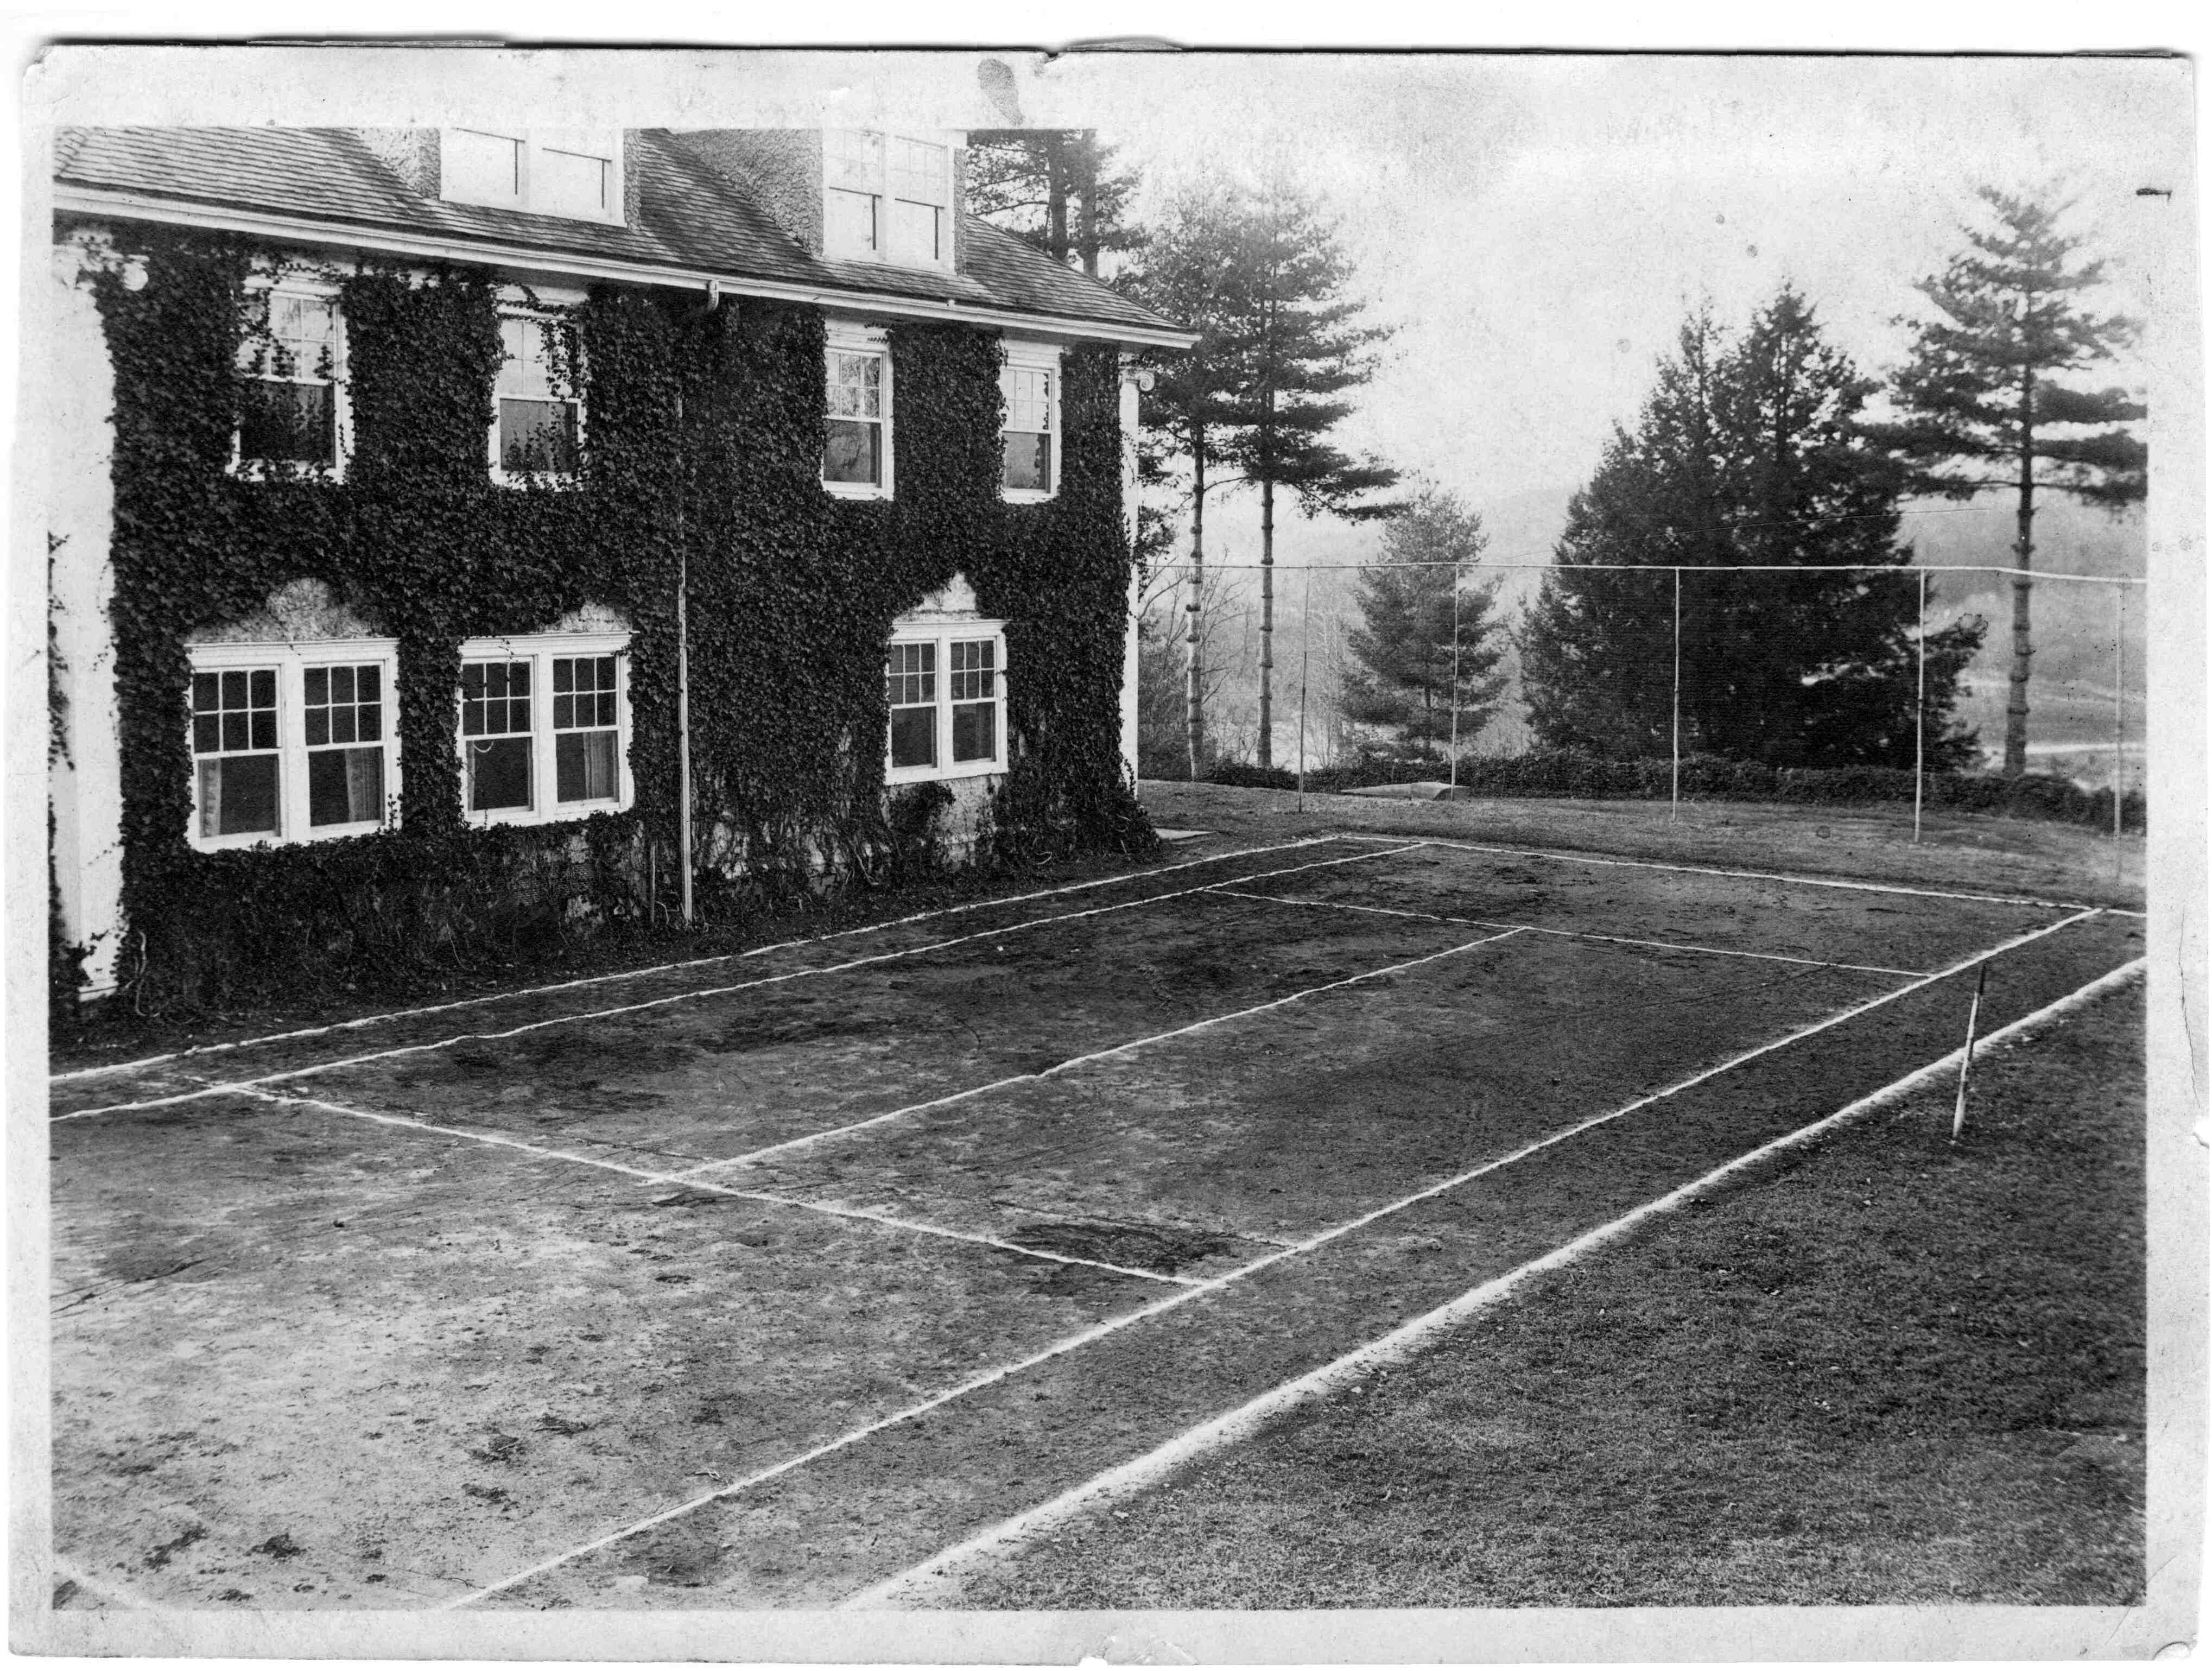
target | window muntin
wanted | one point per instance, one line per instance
(291, 742)
(538, 425)
(290, 404)
(544, 726)
(886, 197)
(910, 681)
(1030, 385)
(945, 689)
(572, 172)
(343, 713)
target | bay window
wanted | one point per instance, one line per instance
(544, 726)
(292, 742)
(944, 686)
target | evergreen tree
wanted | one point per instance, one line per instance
(1427, 666)
(1055, 188)
(1991, 396)
(1182, 270)
(1748, 455)
(1299, 346)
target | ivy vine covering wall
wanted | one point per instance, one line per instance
(702, 443)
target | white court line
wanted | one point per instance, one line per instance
(1575, 934)
(1750, 876)
(230, 1086)
(665, 968)
(1408, 1340)
(643, 1174)
(1168, 1303)
(950, 1097)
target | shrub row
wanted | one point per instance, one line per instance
(1570, 774)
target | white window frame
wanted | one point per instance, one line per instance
(291, 658)
(531, 144)
(541, 650)
(846, 337)
(538, 317)
(945, 635)
(270, 286)
(879, 188)
(1016, 355)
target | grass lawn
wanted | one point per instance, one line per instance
(1883, 1370)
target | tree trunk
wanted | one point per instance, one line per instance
(1086, 237)
(1055, 195)
(2015, 745)
(1194, 672)
(1267, 623)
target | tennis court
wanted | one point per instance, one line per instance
(757, 1280)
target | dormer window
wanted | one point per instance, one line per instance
(574, 172)
(886, 197)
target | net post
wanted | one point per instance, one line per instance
(1305, 646)
(1452, 791)
(2120, 716)
(1674, 788)
(1966, 1057)
(1920, 713)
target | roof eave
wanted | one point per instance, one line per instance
(176, 211)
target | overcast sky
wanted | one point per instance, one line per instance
(1536, 227)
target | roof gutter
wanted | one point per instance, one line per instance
(131, 205)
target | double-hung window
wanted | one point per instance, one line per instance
(292, 414)
(544, 726)
(856, 454)
(574, 172)
(538, 424)
(945, 687)
(1029, 381)
(886, 197)
(292, 742)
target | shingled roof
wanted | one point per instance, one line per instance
(685, 215)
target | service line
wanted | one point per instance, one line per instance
(1578, 934)
(1408, 1339)
(1748, 876)
(1168, 1303)
(231, 1086)
(106, 1068)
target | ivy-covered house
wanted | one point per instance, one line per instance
(428, 507)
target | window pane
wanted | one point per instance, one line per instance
(569, 182)
(499, 773)
(584, 765)
(591, 681)
(856, 385)
(537, 435)
(855, 452)
(234, 710)
(917, 172)
(975, 664)
(852, 157)
(1029, 397)
(974, 731)
(238, 795)
(849, 228)
(911, 675)
(287, 423)
(482, 165)
(1028, 461)
(916, 232)
(345, 785)
(914, 736)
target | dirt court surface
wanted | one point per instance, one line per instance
(753, 1283)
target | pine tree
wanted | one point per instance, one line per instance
(1055, 188)
(1748, 455)
(1989, 398)
(1299, 345)
(1182, 270)
(1427, 665)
